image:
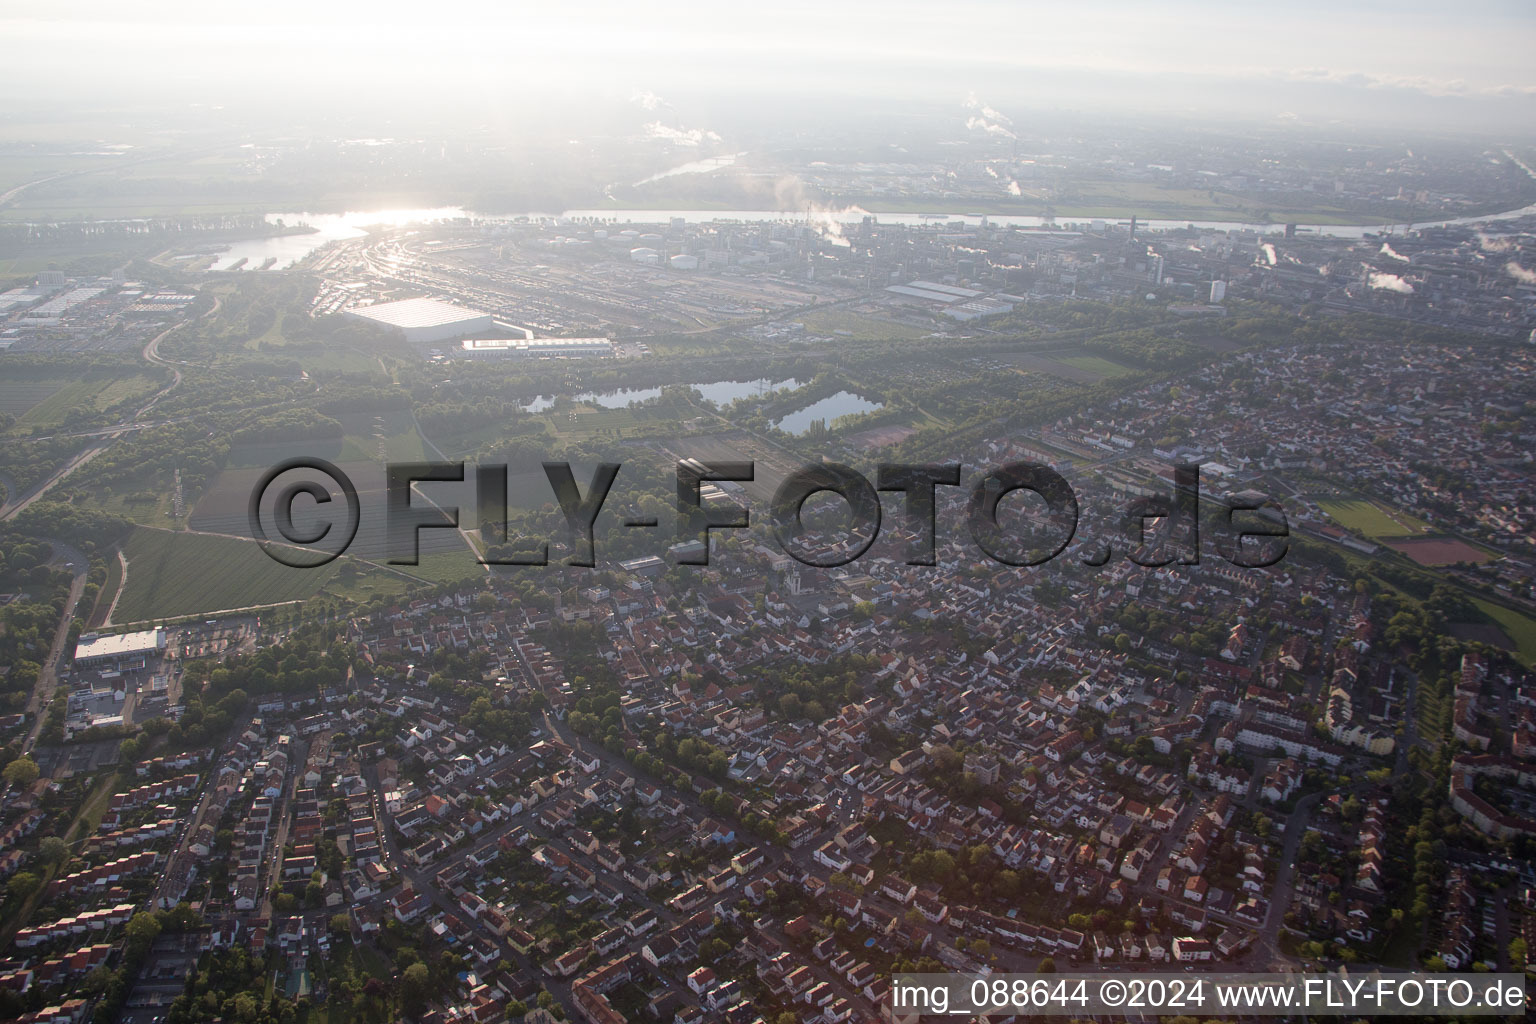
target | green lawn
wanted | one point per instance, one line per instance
(1371, 520)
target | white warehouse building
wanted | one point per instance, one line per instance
(533, 348)
(117, 648)
(425, 320)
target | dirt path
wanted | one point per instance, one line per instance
(122, 561)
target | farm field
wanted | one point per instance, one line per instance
(224, 508)
(17, 397)
(368, 437)
(42, 401)
(1371, 520)
(175, 574)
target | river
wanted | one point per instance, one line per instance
(333, 227)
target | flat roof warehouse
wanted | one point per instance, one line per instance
(425, 320)
(94, 649)
(535, 347)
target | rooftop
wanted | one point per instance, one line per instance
(121, 645)
(417, 313)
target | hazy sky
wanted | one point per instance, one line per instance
(343, 51)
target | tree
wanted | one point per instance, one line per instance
(22, 885)
(53, 850)
(1047, 966)
(21, 772)
(415, 983)
(141, 932)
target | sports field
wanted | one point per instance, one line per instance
(1440, 551)
(1372, 520)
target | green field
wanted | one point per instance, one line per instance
(17, 397)
(858, 327)
(1371, 520)
(591, 420)
(364, 434)
(1096, 364)
(1520, 628)
(446, 566)
(151, 508)
(175, 574)
(42, 401)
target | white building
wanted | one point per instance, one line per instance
(533, 348)
(96, 650)
(425, 320)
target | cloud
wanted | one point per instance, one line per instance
(1519, 273)
(1412, 83)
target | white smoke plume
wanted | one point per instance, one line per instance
(1488, 243)
(790, 194)
(1519, 273)
(647, 100)
(990, 127)
(1387, 250)
(972, 103)
(681, 136)
(1389, 283)
(1013, 189)
(986, 119)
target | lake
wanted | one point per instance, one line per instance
(831, 408)
(722, 392)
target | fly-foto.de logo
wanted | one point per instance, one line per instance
(314, 522)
